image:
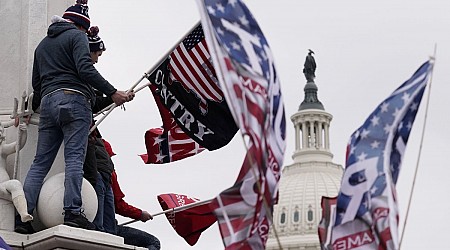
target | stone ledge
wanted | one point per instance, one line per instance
(65, 237)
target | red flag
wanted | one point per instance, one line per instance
(189, 223)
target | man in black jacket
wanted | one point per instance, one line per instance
(96, 48)
(64, 75)
(98, 166)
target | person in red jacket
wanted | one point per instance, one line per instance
(132, 236)
(122, 207)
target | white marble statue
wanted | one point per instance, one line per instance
(11, 190)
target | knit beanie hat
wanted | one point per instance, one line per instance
(78, 13)
(95, 42)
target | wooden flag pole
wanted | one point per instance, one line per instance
(173, 210)
(146, 74)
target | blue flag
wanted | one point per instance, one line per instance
(366, 208)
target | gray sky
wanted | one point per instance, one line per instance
(364, 50)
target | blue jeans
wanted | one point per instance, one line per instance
(139, 238)
(64, 117)
(105, 219)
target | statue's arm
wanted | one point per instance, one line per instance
(24, 134)
(10, 148)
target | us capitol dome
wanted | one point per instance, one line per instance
(312, 174)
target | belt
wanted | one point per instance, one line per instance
(70, 92)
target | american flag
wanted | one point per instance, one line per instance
(190, 66)
(190, 100)
(366, 209)
(246, 72)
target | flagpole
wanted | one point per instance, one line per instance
(107, 108)
(420, 148)
(145, 75)
(173, 210)
(113, 106)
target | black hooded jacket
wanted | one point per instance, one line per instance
(62, 61)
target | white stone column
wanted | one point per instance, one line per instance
(297, 136)
(327, 136)
(304, 135)
(23, 24)
(319, 132)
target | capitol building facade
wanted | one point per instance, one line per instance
(303, 183)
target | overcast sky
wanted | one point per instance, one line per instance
(364, 50)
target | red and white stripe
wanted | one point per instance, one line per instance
(75, 14)
(244, 217)
(188, 68)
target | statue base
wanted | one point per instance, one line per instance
(7, 215)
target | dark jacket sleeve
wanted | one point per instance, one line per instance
(121, 206)
(36, 83)
(85, 67)
(101, 102)
(36, 100)
(105, 166)
(90, 163)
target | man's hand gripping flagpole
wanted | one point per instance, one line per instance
(111, 107)
(173, 210)
(113, 104)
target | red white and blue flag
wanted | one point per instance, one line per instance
(246, 72)
(366, 207)
(169, 143)
(185, 84)
(328, 205)
(192, 106)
